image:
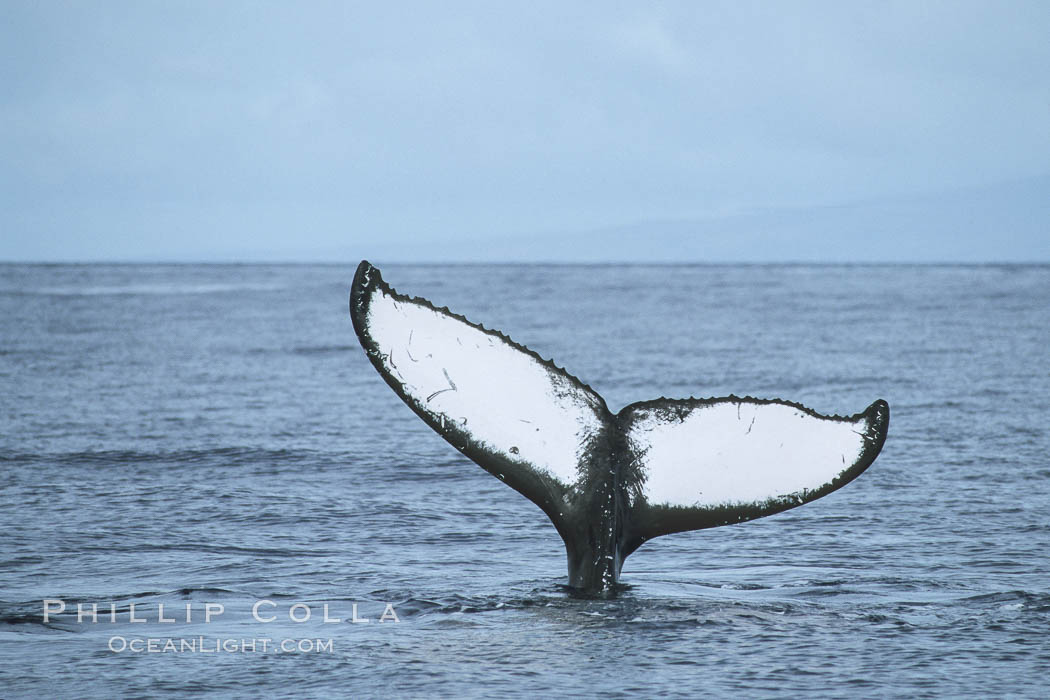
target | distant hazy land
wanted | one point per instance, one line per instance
(1008, 222)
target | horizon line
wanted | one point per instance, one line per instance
(536, 263)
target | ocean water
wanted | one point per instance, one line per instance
(213, 435)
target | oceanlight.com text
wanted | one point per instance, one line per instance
(204, 645)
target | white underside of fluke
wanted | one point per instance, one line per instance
(739, 451)
(506, 400)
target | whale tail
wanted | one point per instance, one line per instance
(607, 482)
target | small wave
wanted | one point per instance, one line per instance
(226, 455)
(205, 590)
(1027, 599)
(142, 289)
(24, 613)
(323, 349)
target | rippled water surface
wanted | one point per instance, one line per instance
(213, 435)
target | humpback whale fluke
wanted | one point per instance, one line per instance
(609, 482)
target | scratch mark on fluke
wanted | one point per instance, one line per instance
(608, 482)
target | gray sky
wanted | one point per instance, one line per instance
(438, 130)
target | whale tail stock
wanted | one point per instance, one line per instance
(609, 482)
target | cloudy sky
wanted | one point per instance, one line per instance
(450, 130)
